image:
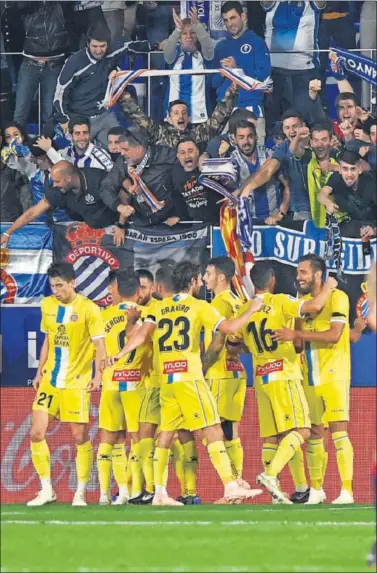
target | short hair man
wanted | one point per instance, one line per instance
(113, 143)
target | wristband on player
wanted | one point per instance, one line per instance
(7, 235)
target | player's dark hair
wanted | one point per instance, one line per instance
(183, 274)
(117, 130)
(187, 140)
(78, 120)
(164, 277)
(20, 128)
(113, 275)
(351, 157)
(243, 124)
(371, 122)
(325, 126)
(128, 282)
(223, 265)
(316, 262)
(344, 96)
(292, 113)
(99, 31)
(238, 114)
(61, 270)
(232, 5)
(176, 102)
(261, 274)
(145, 274)
(135, 137)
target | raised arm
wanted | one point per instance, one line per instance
(141, 336)
(35, 211)
(233, 325)
(262, 176)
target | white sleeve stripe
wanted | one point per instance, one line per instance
(149, 319)
(342, 320)
(97, 337)
(218, 323)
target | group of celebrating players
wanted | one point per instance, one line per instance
(169, 369)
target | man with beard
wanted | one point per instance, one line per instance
(325, 339)
(267, 202)
(294, 156)
(186, 402)
(82, 153)
(178, 124)
(353, 194)
(198, 202)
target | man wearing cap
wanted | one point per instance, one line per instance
(82, 83)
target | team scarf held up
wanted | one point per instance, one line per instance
(120, 80)
(334, 244)
(236, 222)
(342, 61)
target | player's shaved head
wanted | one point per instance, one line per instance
(164, 278)
(65, 175)
(184, 274)
(63, 168)
(128, 283)
(262, 275)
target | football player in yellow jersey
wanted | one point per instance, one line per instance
(185, 398)
(224, 372)
(282, 408)
(327, 375)
(122, 388)
(74, 337)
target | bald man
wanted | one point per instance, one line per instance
(75, 190)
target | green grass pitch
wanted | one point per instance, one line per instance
(203, 538)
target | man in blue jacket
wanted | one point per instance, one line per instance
(83, 80)
(242, 49)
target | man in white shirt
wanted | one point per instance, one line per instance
(82, 153)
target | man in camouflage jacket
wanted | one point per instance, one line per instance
(178, 126)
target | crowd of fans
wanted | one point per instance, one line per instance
(123, 166)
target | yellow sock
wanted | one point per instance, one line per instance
(235, 452)
(324, 467)
(220, 461)
(286, 449)
(119, 464)
(160, 462)
(344, 458)
(297, 469)
(104, 455)
(315, 453)
(146, 460)
(268, 454)
(190, 454)
(84, 462)
(40, 455)
(136, 471)
(178, 462)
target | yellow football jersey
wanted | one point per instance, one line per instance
(70, 329)
(179, 320)
(323, 362)
(273, 360)
(128, 373)
(152, 380)
(228, 305)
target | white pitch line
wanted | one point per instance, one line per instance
(192, 523)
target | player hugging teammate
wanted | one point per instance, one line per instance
(161, 384)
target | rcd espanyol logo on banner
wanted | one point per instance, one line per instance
(91, 262)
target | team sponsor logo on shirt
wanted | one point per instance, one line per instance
(234, 366)
(269, 368)
(175, 366)
(126, 375)
(86, 255)
(61, 337)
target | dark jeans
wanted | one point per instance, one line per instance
(32, 74)
(291, 90)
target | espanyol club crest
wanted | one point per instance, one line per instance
(8, 283)
(91, 262)
(362, 304)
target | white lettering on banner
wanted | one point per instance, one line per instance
(279, 249)
(91, 250)
(366, 69)
(32, 360)
(256, 240)
(160, 239)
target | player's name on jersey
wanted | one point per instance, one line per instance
(175, 308)
(112, 322)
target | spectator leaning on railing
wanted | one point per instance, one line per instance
(189, 47)
(83, 81)
(75, 190)
(144, 172)
(178, 124)
(82, 153)
(246, 50)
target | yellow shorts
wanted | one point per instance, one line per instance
(229, 395)
(150, 410)
(62, 403)
(120, 410)
(187, 405)
(282, 406)
(328, 402)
